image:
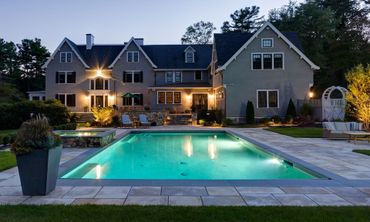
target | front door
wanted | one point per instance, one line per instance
(200, 101)
(99, 101)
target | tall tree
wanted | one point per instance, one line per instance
(198, 33)
(32, 55)
(8, 60)
(243, 20)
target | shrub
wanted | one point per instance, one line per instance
(12, 115)
(6, 140)
(264, 120)
(306, 110)
(291, 111)
(116, 121)
(276, 119)
(35, 134)
(226, 122)
(67, 126)
(210, 116)
(250, 113)
(103, 115)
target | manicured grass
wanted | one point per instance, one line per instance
(365, 152)
(152, 213)
(299, 132)
(7, 132)
(7, 160)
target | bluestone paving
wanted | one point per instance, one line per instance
(47, 200)
(222, 191)
(185, 201)
(145, 191)
(12, 200)
(253, 190)
(146, 200)
(184, 191)
(223, 201)
(294, 200)
(82, 192)
(261, 200)
(99, 201)
(305, 190)
(328, 200)
(113, 192)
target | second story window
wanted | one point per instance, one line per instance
(173, 77)
(132, 56)
(65, 77)
(198, 75)
(66, 57)
(267, 61)
(99, 84)
(189, 57)
(267, 43)
(67, 99)
(132, 77)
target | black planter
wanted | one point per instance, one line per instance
(38, 171)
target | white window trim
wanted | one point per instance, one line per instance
(104, 97)
(267, 99)
(60, 57)
(173, 97)
(65, 98)
(133, 52)
(65, 77)
(201, 76)
(273, 61)
(186, 57)
(173, 76)
(272, 43)
(103, 83)
(131, 72)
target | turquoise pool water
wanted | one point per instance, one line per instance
(77, 133)
(196, 156)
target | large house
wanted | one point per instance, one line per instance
(267, 67)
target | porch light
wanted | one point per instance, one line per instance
(211, 96)
(188, 97)
(99, 73)
(310, 94)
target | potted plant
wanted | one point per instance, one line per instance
(38, 152)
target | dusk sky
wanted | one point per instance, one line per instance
(114, 21)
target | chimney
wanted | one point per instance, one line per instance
(89, 41)
(139, 41)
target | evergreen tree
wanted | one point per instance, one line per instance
(243, 20)
(198, 33)
(250, 113)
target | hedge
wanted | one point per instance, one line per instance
(12, 115)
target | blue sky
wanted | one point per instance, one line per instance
(114, 21)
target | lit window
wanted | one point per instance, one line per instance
(66, 57)
(267, 99)
(99, 84)
(267, 43)
(132, 56)
(137, 100)
(169, 97)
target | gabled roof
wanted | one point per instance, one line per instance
(132, 40)
(230, 45)
(74, 49)
(173, 56)
(100, 56)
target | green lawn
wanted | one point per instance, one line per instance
(7, 132)
(365, 152)
(154, 213)
(7, 160)
(299, 132)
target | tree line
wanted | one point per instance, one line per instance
(334, 34)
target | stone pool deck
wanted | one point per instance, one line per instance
(334, 156)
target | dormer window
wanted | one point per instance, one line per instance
(267, 43)
(66, 57)
(132, 56)
(189, 55)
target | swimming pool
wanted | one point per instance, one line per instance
(186, 156)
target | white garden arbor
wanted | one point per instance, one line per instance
(333, 108)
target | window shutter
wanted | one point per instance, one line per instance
(124, 76)
(141, 97)
(57, 77)
(56, 96)
(141, 77)
(73, 77)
